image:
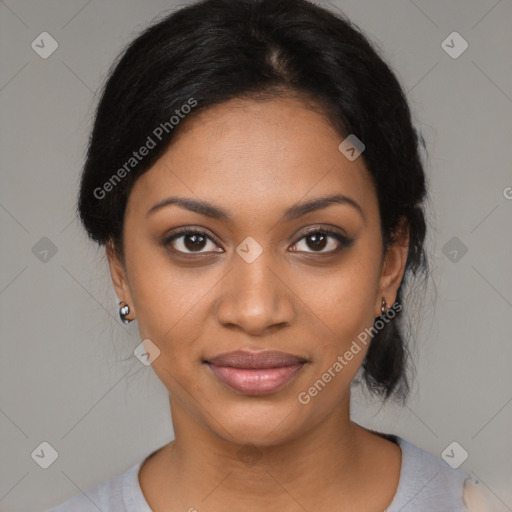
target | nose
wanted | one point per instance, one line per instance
(254, 297)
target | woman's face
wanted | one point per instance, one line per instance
(264, 274)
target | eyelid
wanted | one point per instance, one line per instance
(324, 228)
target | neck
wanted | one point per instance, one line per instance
(218, 471)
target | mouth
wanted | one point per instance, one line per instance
(255, 373)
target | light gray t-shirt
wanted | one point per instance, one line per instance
(426, 484)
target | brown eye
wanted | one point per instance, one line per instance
(322, 239)
(190, 242)
(317, 241)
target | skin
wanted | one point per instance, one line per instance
(255, 159)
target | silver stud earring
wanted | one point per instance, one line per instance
(383, 306)
(124, 311)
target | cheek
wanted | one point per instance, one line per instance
(169, 304)
(343, 303)
(343, 298)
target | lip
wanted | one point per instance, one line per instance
(256, 373)
(256, 360)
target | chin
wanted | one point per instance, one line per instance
(263, 424)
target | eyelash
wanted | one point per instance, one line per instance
(343, 241)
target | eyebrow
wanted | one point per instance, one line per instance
(294, 212)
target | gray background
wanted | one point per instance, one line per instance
(67, 373)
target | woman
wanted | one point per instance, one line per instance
(255, 178)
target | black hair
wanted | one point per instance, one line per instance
(211, 51)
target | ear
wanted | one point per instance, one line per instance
(393, 266)
(119, 276)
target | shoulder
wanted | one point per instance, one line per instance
(119, 494)
(428, 483)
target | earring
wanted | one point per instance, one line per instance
(124, 311)
(383, 306)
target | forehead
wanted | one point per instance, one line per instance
(255, 155)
